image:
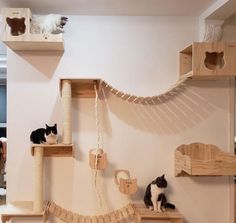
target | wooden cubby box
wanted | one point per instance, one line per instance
(55, 150)
(208, 60)
(198, 159)
(82, 88)
(17, 36)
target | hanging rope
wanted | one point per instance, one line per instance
(98, 146)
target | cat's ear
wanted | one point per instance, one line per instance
(46, 126)
(163, 176)
(55, 125)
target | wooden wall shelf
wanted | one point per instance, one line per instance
(143, 213)
(19, 209)
(198, 159)
(22, 38)
(82, 88)
(55, 150)
(207, 60)
(54, 42)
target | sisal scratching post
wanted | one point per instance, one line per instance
(38, 182)
(66, 112)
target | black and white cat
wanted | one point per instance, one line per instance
(45, 136)
(154, 197)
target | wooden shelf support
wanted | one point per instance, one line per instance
(55, 150)
(82, 88)
(19, 209)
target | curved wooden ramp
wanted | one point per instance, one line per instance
(84, 88)
(123, 213)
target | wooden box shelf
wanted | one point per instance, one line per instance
(207, 60)
(143, 213)
(22, 38)
(19, 209)
(199, 159)
(82, 88)
(56, 150)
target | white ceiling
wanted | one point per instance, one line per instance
(113, 7)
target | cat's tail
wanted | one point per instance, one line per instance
(169, 205)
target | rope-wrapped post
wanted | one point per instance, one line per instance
(66, 112)
(38, 179)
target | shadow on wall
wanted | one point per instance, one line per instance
(45, 62)
(190, 106)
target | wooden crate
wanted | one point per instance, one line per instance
(16, 32)
(208, 60)
(198, 159)
(16, 24)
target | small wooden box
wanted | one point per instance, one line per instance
(16, 32)
(198, 159)
(97, 161)
(16, 24)
(208, 60)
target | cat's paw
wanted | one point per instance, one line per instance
(150, 208)
(163, 209)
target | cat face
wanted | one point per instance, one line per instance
(17, 25)
(161, 181)
(51, 130)
(63, 21)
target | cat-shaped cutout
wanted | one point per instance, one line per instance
(154, 197)
(17, 25)
(214, 60)
(44, 136)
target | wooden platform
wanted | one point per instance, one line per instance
(19, 209)
(82, 88)
(57, 150)
(208, 60)
(143, 213)
(198, 159)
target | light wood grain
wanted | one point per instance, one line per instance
(203, 60)
(99, 161)
(198, 159)
(19, 209)
(143, 213)
(28, 41)
(83, 88)
(55, 150)
(126, 185)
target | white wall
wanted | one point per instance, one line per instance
(136, 55)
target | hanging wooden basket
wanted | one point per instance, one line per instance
(125, 183)
(97, 159)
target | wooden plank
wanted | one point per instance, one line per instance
(146, 214)
(55, 150)
(35, 45)
(19, 209)
(185, 59)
